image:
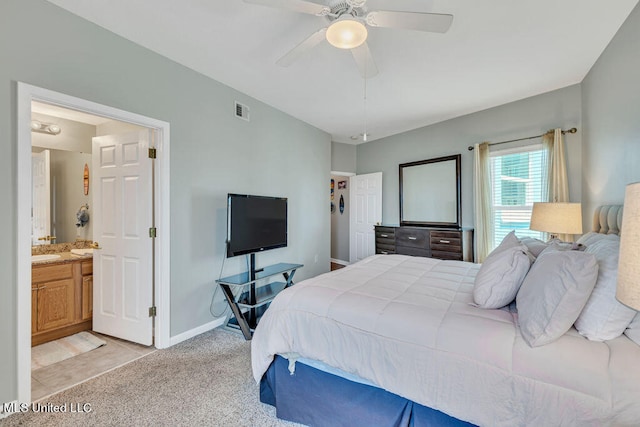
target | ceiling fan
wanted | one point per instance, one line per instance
(349, 20)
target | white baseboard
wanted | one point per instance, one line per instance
(195, 331)
(9, 408)
(339, 261)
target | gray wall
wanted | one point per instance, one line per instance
(343, 157)
(212, 153)
(340, 222)
(611, 115)
(531, 116)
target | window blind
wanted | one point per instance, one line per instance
(518, 179)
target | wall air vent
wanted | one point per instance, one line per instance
(242, 111)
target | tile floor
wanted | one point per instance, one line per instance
(63, 375)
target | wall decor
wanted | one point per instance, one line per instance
(342, 185)
(333, 183)
(86, 179)
(341, 204)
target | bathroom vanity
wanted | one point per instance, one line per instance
(61, 297)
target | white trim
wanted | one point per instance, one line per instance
(25, 94)
(339, 261)
(14, 404)
(343, 173)
(196, 331)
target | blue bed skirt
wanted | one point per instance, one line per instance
(316, 398)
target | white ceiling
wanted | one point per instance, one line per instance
(496, 51)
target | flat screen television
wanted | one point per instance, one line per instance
(255, 223)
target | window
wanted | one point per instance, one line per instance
(518, 179)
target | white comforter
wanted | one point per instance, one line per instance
(405, 324)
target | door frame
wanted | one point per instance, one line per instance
(347, 175)
(27, 93)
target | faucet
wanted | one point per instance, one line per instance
(95, 245)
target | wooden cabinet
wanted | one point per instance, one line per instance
(59, 294)
(426, 242)
(87, 290)
(413, 241)
(56, 305)
(385, 240)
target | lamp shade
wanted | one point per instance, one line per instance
(346, 33)
(557, 218)
(628, 291)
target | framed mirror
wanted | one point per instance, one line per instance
(430, 193)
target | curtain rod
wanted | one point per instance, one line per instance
(572, 130)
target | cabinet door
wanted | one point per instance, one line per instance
(34, 309)
(87, 297)
(56, 305)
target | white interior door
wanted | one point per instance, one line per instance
(41, 198)
(123, 214)
(366, 212)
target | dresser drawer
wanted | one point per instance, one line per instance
(446, 241)
(456, 256)
(412, 237)
(385, 251)
(408, 250)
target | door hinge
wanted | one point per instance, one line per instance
(153, 153)
(152, 232)
(152, 311)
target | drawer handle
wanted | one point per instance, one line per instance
(413, 238)
(445, 241)
(384, 235)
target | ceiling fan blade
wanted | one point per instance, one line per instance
(294, 5)
(365, 61)
(312, 41)
(431, 22)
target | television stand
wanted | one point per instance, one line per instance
(253, 294)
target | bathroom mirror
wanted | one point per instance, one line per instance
(66, 196)
(430, 192)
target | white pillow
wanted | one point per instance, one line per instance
(535, 246)
(500, 277)
(633, 331)
(592, 237)
(603, 317)
(554, 293)
(509, 241)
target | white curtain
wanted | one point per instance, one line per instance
(557, 182)
(483, 221)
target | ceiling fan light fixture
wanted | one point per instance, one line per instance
(346, 33)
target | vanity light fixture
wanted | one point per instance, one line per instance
(49, 128)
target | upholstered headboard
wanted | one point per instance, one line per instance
(607, 219)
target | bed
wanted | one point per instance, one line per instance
(396, 340)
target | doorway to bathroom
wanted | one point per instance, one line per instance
(119, 142)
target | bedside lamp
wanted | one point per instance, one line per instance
(628, 290)
(557, 218)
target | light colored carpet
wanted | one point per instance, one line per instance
(204, 381)
(64, 348)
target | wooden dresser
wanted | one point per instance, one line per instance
(426, 242)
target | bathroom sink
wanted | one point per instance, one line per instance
(45, 257)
